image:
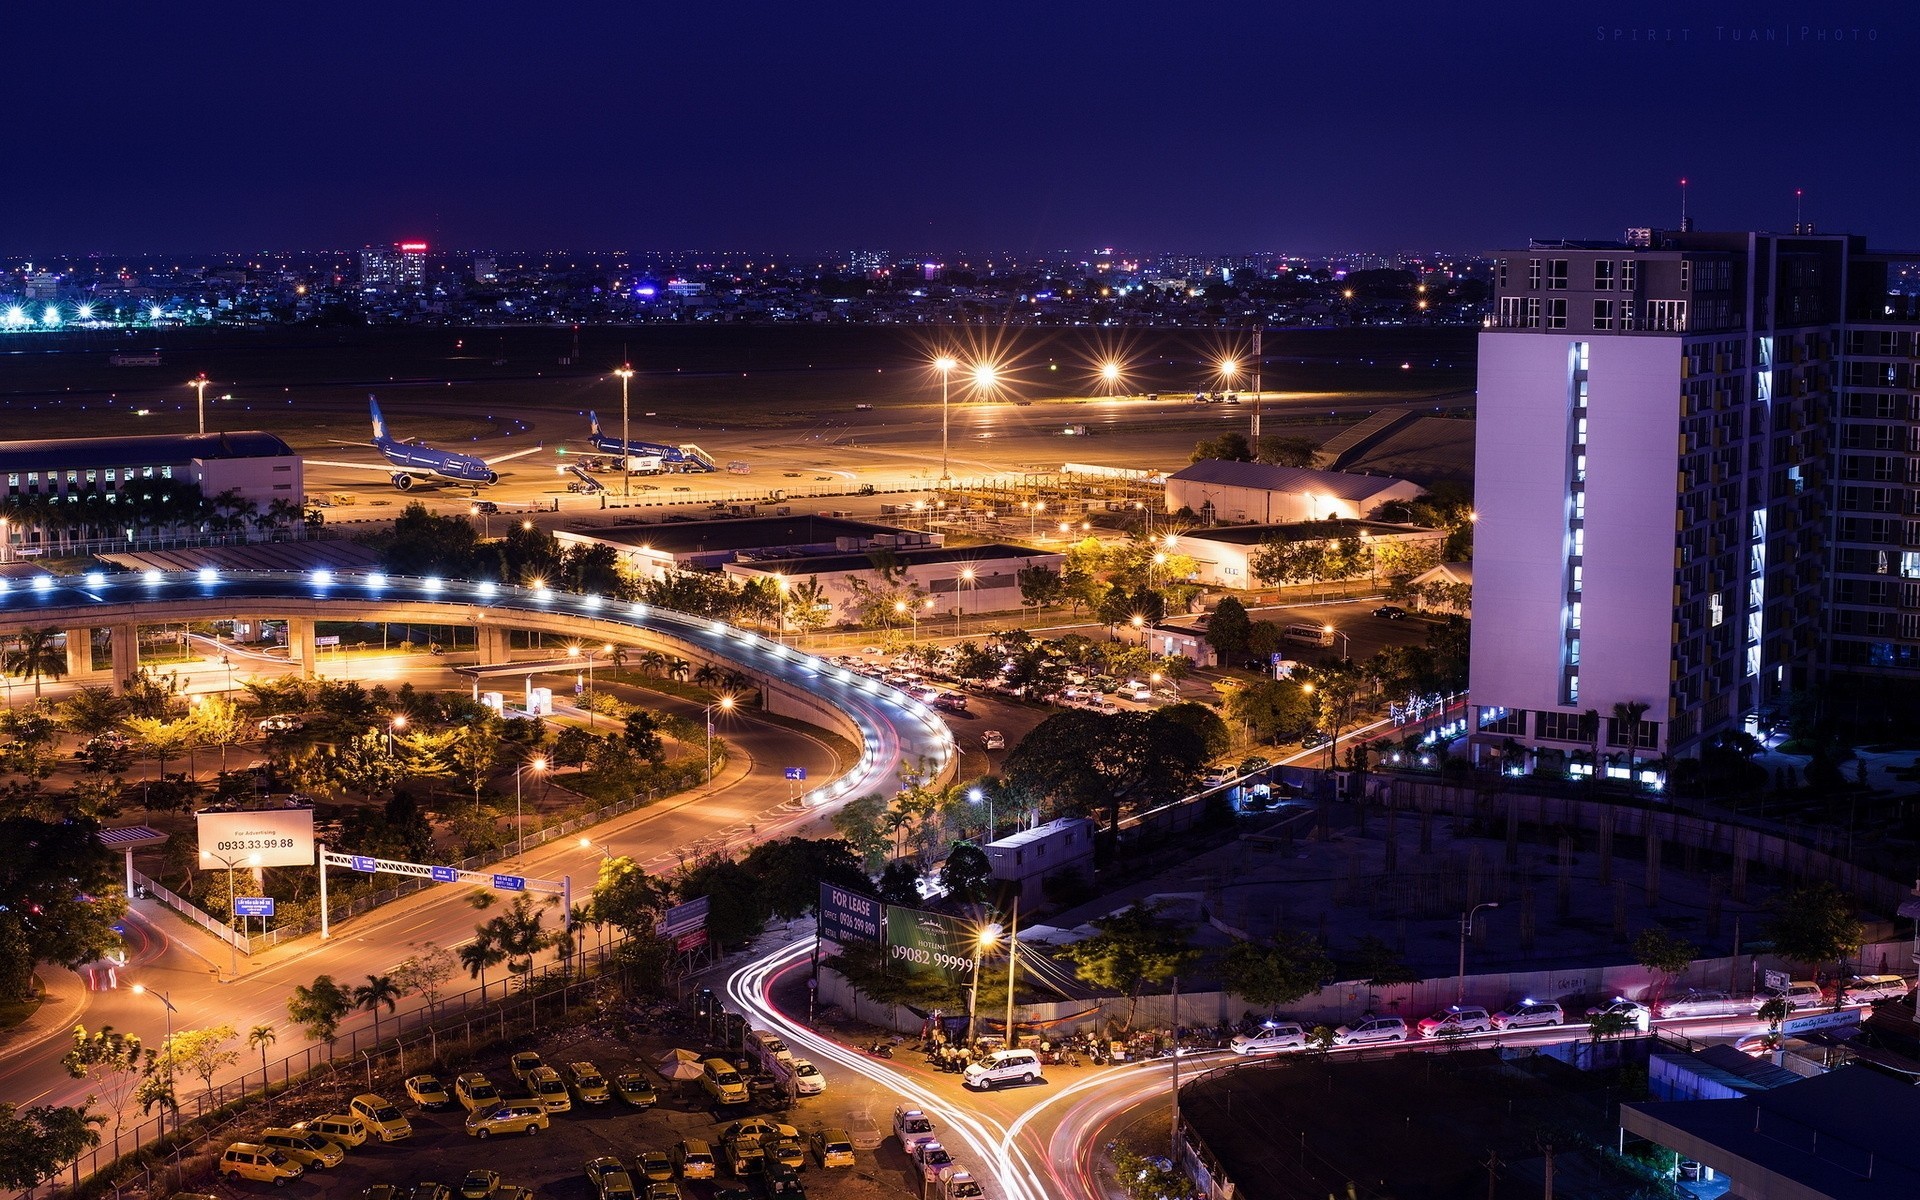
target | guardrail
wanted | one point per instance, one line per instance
(192, 912)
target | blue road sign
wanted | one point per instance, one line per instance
(362, 863)
(253, 906)
(796, 772)
(445, 875)
(510, 883)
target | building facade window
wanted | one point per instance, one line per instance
(1557, 313)
(1603, 315)
(1602, 274)
(1560, 727)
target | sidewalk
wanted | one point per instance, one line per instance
(64, 994)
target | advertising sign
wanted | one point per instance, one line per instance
(847, 917)
(279, 837)
(928, 943)
(684, 918)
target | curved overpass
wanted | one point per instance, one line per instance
(893, 730)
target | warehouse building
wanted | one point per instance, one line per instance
(1223, 492)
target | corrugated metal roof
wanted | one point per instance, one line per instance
(1286, 479)
(60, 454)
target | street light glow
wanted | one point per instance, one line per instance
(945, 363)
(1110, 371)
(985, 376)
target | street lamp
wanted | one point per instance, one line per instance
(725, 704)
(538, 764)
(1110, 373)
(486, 521)
(1139, 624)
(975, 796)
(200, 386)
(945, 365)
(394, 726)
(1466, 927)
(587, 844)
(230, 864)
(141, 989)
(625, 372)
(967, 585)
(1345, 641)
(983, 943)
(1229, 371)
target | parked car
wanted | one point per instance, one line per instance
(656, 1165)
(523, 1064)
(1863, 989)
(1271, 1038)
(588, 1083)
(1313, 739)
(1701, 1002)
(383, 1119)
(521, 1116)
(546, 1086)
(1799, 993)
(428, 1092)
(1455, 1020)
(475, 1091)
(933, 1163)
(912, 1127)
(806, 1078)
(344, 1128)
(636, 1089)
(479, 1184)
(309, 1149)
(1003, 1066)
(1529, 1014)
(993, 739)
(1636, 1013)
(262, 1164)
(1373, 1029)
(694, 1158)
(609, 1179)
(833, 1148)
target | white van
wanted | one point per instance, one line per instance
(1004, 1066)
(1373, 1029)
(1308, 635)
(805, 1077)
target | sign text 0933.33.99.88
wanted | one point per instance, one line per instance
(271, 837)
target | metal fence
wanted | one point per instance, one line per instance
(411, 1040)
(191, 912)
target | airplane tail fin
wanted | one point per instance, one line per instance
(379, 422)
(593, 420)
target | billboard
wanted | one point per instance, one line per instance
(269, 837)
(929, 943)
(683, 918)
(847, 917)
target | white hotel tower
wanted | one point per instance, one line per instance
(1698, 487)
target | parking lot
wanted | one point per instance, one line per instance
(550, 1162)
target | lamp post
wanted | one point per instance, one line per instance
(725, 704)
(230, 864)
(981, 944)
(141, 989)
(967, 578)
(625, 372)
(1345, 641)
(945, 365)
(200, 387)
(394, 726)
(1466, 927)
(1139, 624)
(538, 763)
(1110, 373)
(486, 521)
(975, 796)
(1229, 371)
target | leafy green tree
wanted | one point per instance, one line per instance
(642, 736)
(115, 1061)
(1150, 1178)
(1658, 950)
(1133, 948)
(519, 934)
(967, 874)
(1380, 965)
(59, 901)
(1227, 630)
(1609, 1025)
(1277, 972)
(91, 711)
(791, 871)
(737, 907)
(1215, 738)
(421, 543)
(628, 898)
(1281, 451)
(858, 823)
(1272, 709)
(900, 882)
(36, 1143)
(319, 1007)
(1815, 924)
(1039, 586)
(425, 973)
(1231, 447)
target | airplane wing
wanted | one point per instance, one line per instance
(383, 468)
(500, 458)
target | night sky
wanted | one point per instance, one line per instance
(1032, 126)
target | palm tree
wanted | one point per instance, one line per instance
(377, 990)
(479, 954)
(1590, 724)
(1626, 724)
(678, 668)
(707, 676)
(518, 934)
(652, 661)
(619, 657)
(37, 655)
(260, 1037)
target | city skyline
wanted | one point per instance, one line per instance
(1398, 127)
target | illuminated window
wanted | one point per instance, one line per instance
(1716, 612)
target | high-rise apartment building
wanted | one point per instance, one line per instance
(399, 270)
(1697, 484)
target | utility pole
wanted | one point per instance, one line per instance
(1174, 1148)
(1256, 387)
(1013, 952)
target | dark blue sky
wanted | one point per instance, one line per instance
(1034, 125)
